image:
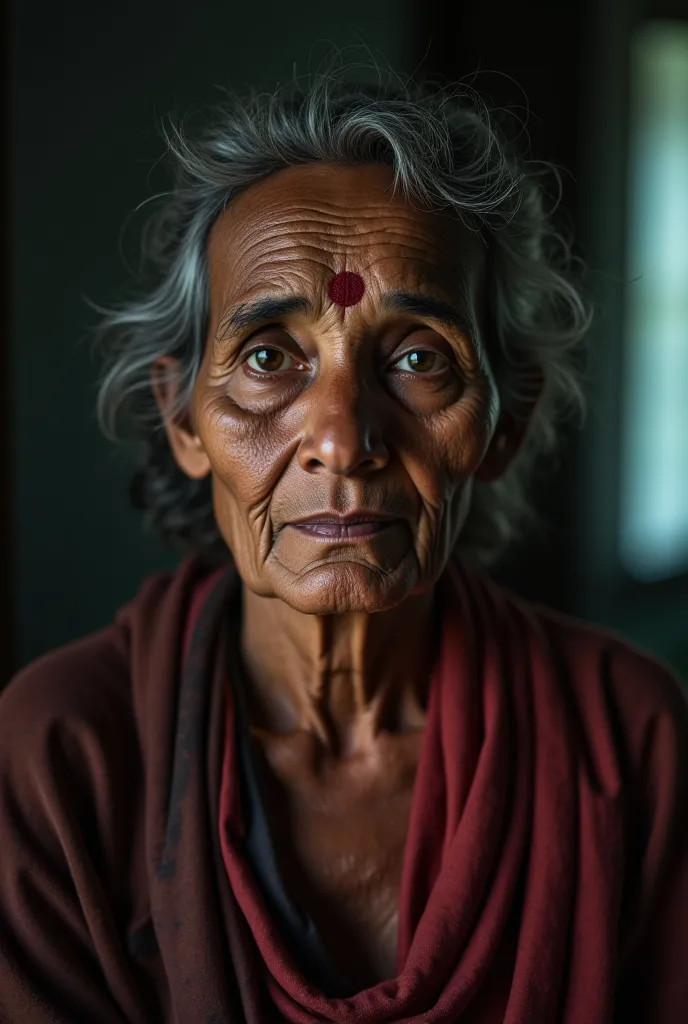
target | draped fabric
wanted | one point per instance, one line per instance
(513, 849)
(546, 864)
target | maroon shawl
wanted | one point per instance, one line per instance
(546, 869)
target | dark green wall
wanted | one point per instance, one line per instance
(89, 82)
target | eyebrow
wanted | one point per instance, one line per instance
(251, 314)
(425, 306)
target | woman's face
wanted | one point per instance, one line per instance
(304, 407)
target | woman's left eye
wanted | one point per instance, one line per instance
(268, 360)
(420, 361)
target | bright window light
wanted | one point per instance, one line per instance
(654, 498)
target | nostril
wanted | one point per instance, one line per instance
(339, 445)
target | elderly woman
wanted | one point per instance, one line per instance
(328, 770)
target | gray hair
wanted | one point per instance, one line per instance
(447, 153)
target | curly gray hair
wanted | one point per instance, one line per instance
(446, 152)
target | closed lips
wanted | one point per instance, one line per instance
(349, 526)
(347, 520)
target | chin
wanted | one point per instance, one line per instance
(339, 586)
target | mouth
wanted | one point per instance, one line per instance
(354, 526)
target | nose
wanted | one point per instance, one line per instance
(343, 433)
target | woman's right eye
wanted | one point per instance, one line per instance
(270, 360)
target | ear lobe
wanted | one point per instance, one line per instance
(187, 446)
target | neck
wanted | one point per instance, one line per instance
(342, 677)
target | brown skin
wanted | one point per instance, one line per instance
(328, 409)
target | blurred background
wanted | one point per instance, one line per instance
(606, 83)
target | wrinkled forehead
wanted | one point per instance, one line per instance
(295, 230)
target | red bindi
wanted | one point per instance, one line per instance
(346, 289)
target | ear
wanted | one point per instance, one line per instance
(512, 427)
(186, 445)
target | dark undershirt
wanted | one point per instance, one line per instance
(295, 926)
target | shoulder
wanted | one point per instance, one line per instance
(80, 705)
(602, 664)
(601, 670)
(625, 707)
(69, 714)
(628, 704)
(85, 687)
(70, 781)
(64, 716)
(72, 764)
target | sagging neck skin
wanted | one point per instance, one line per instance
(344, 678)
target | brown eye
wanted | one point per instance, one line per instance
(420, 361)
(267, 360)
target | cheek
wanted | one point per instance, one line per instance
(247, 457)
(466, 433)
(442, 470)
(448, 453)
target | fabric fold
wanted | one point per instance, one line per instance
(502, 824)
(546, 864)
